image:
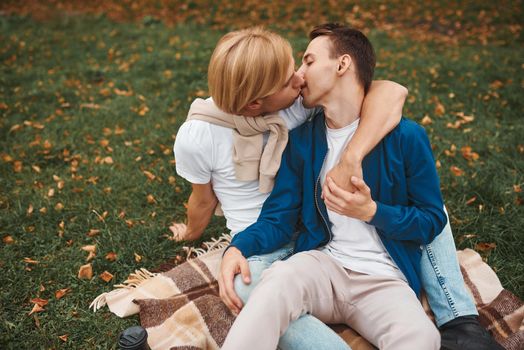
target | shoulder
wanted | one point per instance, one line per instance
(407, 132)
(194, 136)
(408, 127)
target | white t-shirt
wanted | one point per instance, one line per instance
(355, 244)
(204, 153)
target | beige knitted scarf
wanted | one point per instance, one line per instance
(252, 161)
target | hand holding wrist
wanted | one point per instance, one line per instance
(371, 211)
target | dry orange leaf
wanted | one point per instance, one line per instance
(62, 292)
(63, 337)
(89, 106)
(85, 272)
(111, 256)
(122, 92)
(8, 240)
(485, 247)
(517, 189)
(89, 248)
(468, 154)
(149, 175)
(90, 256)
(426, 120)
(17, 166)
(143, 110)
(39, 301)
(471, 200)
(456, 170)
(151, 199)
(440, 109)
(31, 261)
(36, 308)
(138, 258)
(200, 93)
(106, 276)
(105, 92)
(93, 232)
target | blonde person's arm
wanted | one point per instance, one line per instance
(381, 113)
(200, 207)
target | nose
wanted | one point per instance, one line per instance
(300, 71)
(298, 81)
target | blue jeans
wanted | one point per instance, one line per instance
(442, 279)
(305, 333)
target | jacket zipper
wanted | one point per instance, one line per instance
(317, 205)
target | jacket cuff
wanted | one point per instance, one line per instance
(383, 217)
(246, 247)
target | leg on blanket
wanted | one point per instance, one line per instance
(311, 282)
(303, 334)
(453, 307)
(442, 280)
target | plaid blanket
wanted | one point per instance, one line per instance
(181, 309)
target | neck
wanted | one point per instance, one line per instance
(342, 106)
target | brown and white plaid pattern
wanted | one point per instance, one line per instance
(181, 308)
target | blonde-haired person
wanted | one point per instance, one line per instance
(231, 144)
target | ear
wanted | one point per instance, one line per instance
(344, 62)
(253, 108)
(254, 105)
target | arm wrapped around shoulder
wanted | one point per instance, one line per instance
(424, 217)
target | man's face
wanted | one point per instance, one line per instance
(319, 71)
(286, 95)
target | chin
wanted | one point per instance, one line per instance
(306, 103)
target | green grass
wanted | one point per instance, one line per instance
(54, 72)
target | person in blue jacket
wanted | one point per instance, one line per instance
(356, 255)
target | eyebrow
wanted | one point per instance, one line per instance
(306, 56)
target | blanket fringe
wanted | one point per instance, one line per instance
(138, 277)
(215, 244)
(134, 280)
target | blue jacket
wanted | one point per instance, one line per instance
(401, 174)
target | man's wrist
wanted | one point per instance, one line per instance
(352, 157)
(231, 249)
(371, 211)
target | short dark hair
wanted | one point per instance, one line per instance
(346, 40)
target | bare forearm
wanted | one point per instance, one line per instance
(199, 212)
(381, 113)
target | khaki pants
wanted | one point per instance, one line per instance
(384, 310)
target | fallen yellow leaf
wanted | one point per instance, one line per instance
(456, 170)
(85, 272)
(89, 248)
(111, 256)
(106, 276)
(36, 308)
(62, 292)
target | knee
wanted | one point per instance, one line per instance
(283, 274)
(425, 336)
(242, 289)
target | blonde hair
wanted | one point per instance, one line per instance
(247, 65)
